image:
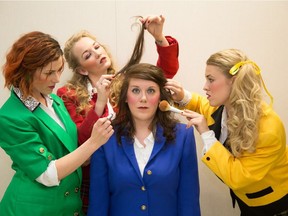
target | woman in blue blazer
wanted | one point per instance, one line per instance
(149, 166)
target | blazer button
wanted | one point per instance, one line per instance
(76, 214)
(66, 193)
(149, 172)
(76, 190)
(49, 157)
(143, 207)
(41, 150)
(143, 188)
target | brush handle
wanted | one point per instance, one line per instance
(173, 109)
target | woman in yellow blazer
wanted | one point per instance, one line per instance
(39, 135)
(244, 139)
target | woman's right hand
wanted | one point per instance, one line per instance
(102, 130)
(197, 120)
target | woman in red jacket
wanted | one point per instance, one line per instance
(87, 95)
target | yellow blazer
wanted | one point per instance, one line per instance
(257, 178)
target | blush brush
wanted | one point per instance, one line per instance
(165, 106)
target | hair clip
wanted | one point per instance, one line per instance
(234, 70)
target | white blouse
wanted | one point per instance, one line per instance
(143, 153)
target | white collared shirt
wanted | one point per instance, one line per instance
(51, 112)
(209, 138)
(143, 153)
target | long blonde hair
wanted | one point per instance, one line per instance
(245, 100)
(78, 82)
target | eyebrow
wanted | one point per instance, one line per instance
(50, 70)
(209, 76)
(95, 42)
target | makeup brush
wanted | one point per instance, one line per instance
(165, 106)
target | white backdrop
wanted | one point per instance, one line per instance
(260, 28)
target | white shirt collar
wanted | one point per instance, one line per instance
(148, 141)
(91, 90)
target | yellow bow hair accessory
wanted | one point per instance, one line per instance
(234, 70)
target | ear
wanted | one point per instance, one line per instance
(82, 71)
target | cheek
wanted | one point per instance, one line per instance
(38, 80)
(154, 100)
(216, 87)
(89, 64)
(131, 99)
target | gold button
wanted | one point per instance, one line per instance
(41, 150)
(143, 207)
(66, 193)
(49, 157)
(76, 214)
(76, 190)
(143, 188)
(149, 172)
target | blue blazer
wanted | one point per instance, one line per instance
(169, 186)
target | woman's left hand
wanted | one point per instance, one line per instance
(176, 89)
(154, 25)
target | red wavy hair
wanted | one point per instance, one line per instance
(30, 52)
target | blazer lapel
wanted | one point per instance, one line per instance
(158, 143)
(128, 148)
(216, 127)
(68, 137)
(64, 117)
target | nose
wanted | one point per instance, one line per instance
(97, 54)
(143, 98)
(205, 87)
(56, 77)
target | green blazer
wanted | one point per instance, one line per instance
(32, 139)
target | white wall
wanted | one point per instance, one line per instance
(260, 28)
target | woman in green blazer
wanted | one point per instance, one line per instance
(39, 135)
(244, 139)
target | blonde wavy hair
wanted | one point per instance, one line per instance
(78, 82)
(246, 99)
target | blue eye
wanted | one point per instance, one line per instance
(150, 91)
(135, 90)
